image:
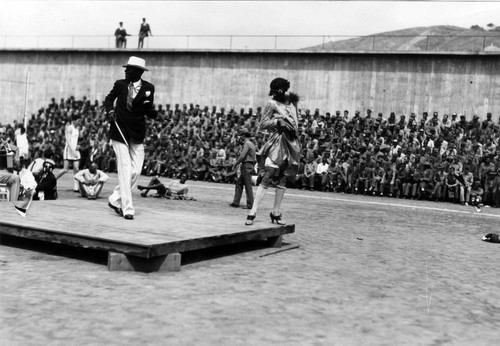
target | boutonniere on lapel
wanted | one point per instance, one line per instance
(148, 93)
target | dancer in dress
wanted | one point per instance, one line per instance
(71, 154)
(279, 157)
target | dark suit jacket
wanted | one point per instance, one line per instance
(132, 123)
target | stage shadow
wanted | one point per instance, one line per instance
(101, 257)
(55, 249)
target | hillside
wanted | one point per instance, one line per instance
(434, 38)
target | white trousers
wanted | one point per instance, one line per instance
(90, 190)
(129, 160)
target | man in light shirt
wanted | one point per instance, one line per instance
(309, 173)
(22, 143)
(322, 172)
(177, 189)
(7, 175)
(91, 181)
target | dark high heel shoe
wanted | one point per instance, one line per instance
(276, 218)
(250, 219)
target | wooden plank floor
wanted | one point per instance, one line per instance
(154, 232)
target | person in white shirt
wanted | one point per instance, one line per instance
(394, 149)
(7, 175)
(322, 172)
(22, 143)
(36, 168)
(28, 181)
(176, 188)
(221, 156)
(91, 181)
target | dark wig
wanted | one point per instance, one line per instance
(279, 87)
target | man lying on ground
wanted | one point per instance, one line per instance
(175, 189)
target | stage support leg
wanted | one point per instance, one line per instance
(275, 241)
(121, 262)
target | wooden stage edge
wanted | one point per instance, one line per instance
(153, 242)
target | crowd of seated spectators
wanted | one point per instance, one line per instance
(442, 158)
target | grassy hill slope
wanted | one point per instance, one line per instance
(434, 38)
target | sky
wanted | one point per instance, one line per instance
(335, 18)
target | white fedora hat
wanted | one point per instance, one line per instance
(134, 61)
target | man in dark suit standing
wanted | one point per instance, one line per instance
(134, 100)
(121, 36)
(144, 31)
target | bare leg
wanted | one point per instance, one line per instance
(154, 184)
(278, 198)
(64, 170)
(150, 187)
(76, 168)
(259, 196)
(98, 189)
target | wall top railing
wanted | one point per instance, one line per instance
(488, 42)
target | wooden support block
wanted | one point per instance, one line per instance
(172, 263)
(275, 241)
(122, 262)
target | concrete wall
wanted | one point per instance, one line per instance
(402, 83)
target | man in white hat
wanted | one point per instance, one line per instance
(134, 100)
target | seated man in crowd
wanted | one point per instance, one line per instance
(7, 176)
(47, 186)
(452, 186)
(322, 172)
(176, 189)
(20, 196)
(91, 181)
(476, 195)
(309, 174)
(492, 189)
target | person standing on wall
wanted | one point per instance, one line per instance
(247, 160)
(134, 100)
(121, 36)
(144, 31)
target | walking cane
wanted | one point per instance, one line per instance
(121, 133)
(103, 110)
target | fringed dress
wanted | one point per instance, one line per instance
(282, 149)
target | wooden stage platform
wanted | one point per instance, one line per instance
(153, 241)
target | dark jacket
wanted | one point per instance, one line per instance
(47, 185)
(132, 123)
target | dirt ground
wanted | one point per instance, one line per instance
(369, 271)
